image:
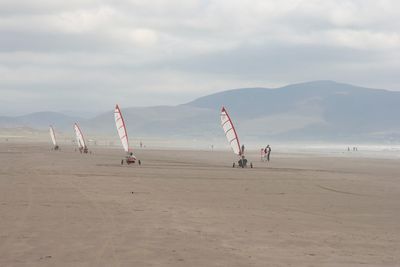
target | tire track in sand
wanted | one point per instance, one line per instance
(101, 211)
(22, 217)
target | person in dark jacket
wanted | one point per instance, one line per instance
(268, 152)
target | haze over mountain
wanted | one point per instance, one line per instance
(39, 120)
(312, 111)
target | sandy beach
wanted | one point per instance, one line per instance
(191, 208)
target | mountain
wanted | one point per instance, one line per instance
(39, 120)
(312, 111)
(315, 110)
(161, 121)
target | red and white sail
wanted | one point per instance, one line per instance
(230, 131)
(121, 128)
(79, 136)
(53, 136)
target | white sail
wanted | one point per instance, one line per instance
(230, 131)
(121, 128)
(79, 136)
(53, 136)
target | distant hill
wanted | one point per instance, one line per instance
(323, 110)
(160, 121)
(313, 111)
(39, 120)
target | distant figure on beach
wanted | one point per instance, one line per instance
(242, 151)
(262, 153)
(141, 144)
(268, 152)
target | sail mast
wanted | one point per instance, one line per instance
(79, 136)
(121, 128)
(230, 131)
(53, 135)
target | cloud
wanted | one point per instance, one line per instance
(165, 52)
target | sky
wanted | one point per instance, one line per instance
(81, 57)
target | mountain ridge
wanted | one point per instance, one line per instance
(318, 110)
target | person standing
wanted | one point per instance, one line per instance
(268, 152)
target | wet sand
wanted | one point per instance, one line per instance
(191, 208)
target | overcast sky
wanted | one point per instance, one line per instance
(83, 56)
